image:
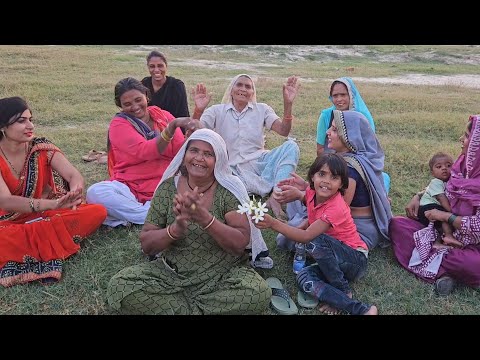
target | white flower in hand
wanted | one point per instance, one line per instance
(261, 209)
(258, 216)
(244, 209)
(257, 209)
(247, 208)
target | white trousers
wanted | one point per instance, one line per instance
(122, 206)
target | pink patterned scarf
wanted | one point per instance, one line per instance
(463, 187)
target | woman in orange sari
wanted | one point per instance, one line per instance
(42, 219)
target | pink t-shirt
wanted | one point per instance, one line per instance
(138, 164)
(335, 212)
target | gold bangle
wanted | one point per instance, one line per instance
(165, 136)
(167, 132)
(38, 205)
(32, 205)
(209, 224)
(170, 234)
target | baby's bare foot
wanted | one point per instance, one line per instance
(372, 311)
(450, 240)
(439, 245)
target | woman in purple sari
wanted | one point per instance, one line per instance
(409, 237)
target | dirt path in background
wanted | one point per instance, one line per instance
(319, 53)
(471, 81)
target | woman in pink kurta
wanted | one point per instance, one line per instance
(141, 142)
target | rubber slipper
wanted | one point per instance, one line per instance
(93, 155)
(101, 159)
(306, 300)
(281, 302)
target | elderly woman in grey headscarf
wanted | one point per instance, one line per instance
(194, 223)
(240, 120)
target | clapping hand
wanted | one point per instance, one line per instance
(70, 200)
(188, 207)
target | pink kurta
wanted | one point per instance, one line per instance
(138, 164)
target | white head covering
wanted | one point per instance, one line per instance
(223, 174)
(227, 97)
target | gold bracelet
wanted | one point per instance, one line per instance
(168, 132)
(170, 234)
(209, 224)
(32, 205)
(38, 205)
(165, 136)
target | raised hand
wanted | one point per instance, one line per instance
(287, 194)
(290, 89)
(201, 97)
(296, 181)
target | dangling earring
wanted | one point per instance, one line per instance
(3, 133)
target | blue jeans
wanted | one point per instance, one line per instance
(328, 279)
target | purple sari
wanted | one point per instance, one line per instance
(463, 192)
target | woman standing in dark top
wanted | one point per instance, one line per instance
(166, 92)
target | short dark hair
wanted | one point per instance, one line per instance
(128, 84)
(11, 109)
(437, 156)
(336, 164)
(156, 53)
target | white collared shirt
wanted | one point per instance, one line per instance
(242, 132)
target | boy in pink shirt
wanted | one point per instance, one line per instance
(331, 238)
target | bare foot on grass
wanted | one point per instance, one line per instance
(372, 311)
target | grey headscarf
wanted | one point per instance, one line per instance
(227, 96)
(223, 174)
(365, 152)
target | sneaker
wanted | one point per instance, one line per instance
(263, 263)
(444, 286)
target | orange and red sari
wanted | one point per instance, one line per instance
(34, 245)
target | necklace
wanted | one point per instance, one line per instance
(11, 165)
(204, 191)
(238, 117)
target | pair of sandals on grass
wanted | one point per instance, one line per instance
(97, 157)
(283, 304)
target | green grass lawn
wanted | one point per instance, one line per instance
(70, 89)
